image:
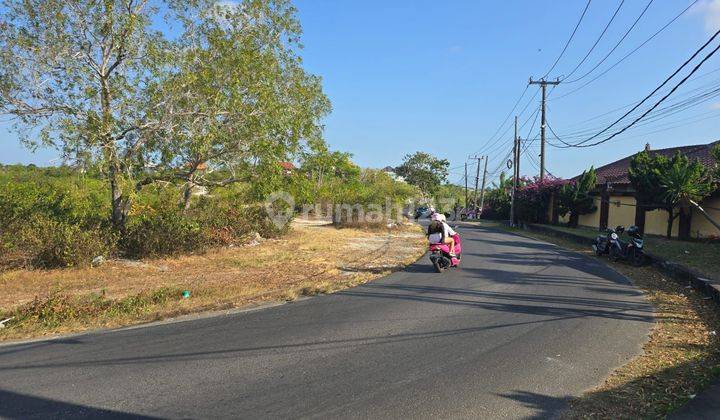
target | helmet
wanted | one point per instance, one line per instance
(438, 216)
(633, 231)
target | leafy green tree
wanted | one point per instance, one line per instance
(683, 184)
(644, 173)
(75, 72)
(238, 96)
(669, 183)
(447, 197)
(319, 163)
(498, 198)
(574, 197)
(425, 171)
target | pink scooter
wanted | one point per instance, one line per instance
(440, 255)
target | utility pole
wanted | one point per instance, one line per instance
(516, 160)
(477, 180)
(543, 85)
(466, 188)
(482, 191)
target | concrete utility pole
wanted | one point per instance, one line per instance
(482, 191)
(477, 180)
(543, 85)
(466, 188)
(516, 160)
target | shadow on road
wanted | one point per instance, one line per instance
(544, 406)
(20, 406)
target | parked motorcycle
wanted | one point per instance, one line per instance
(611, 244)
(440, 255)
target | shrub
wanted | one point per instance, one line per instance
(51, 218)
(533, 198)
(158, 226)
(59, 309)
(49, 243)
(160, 231)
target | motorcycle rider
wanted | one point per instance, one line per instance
(439, 232)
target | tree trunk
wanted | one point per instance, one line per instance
(574, 219)
(119, 202)
(684, 225)
(187, 193)
(116, 196)
(670, 220)
(640, 217)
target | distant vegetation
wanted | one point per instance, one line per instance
(169, 144)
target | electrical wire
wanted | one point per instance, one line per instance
(654, 106)
(602, 34)
(587, 5)
(597, 117)
(508, 115)
(712, 38)
(647, 6)
(484, 149)
(626, 56)
(673, 108)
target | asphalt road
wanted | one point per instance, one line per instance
(518, 329)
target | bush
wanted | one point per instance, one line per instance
(533, 199)
(51, 243)
(51, 218)
(158, 226)
(163, 231)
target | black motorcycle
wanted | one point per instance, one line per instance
(611, 244)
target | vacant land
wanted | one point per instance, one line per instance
(681, 357)
(313, 258)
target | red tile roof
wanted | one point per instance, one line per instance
(617, 172)
(288, 166)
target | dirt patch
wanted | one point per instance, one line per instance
(313, 258)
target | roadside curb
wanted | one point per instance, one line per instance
(677, 271)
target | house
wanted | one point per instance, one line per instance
(390, 171)
(287, 167)
(616, 205)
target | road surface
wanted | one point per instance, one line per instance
(514, 333)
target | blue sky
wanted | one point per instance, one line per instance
(441, 76)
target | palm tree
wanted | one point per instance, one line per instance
(683, 184)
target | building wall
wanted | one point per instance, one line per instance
(590, 219)
(621, 211)
(656, 220)
(701, 227)
(656, 223)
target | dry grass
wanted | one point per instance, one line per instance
(701, 256)
(681, 357)
(311, 259)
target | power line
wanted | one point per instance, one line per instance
(631, 52)
(602, 34)
(659, 101)
(487, 147)
(596, 117)
(662, 113)
(657, 89)
(508, 115)
(670, 126)
(616, 45)
(569, 39)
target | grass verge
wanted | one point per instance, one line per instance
(681, 357)
(701, 256)
(312, 259)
